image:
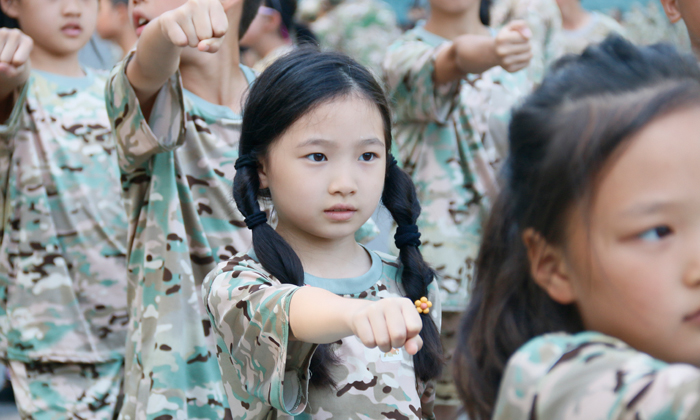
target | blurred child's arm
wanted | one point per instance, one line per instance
(319, 316)
(15, 47)
(467, 54)
(197, 23)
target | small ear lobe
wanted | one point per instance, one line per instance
(262, 175)
(673, 11)
(548, 267)
(9, 7)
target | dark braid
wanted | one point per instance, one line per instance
(399, 197)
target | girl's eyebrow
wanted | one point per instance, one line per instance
(328, 143)
(648, 208)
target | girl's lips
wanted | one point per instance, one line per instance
(72, 30)
(340, 215)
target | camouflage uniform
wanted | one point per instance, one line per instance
(177, 173)
(62, 249)
(450, 138)
(594, 32)
(544, 19)
(592, 376)
(266, 376)
(361, 29)
(647, 24)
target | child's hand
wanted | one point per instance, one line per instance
(513, 46)
(15, 47)
(197, 23)
(388, 323)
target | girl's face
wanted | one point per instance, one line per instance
(326, 172)
(633, 257)
(59, 27)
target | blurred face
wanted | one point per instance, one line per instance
(144, 11)
(59, 27)
(326, 172)
(262, 24)
(634, 258)
(112, 19)
(454, 6)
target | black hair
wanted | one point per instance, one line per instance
(299, 31)
(7, 22)
(585, 110)
(248, 12)
(485, 12)
(287, 90)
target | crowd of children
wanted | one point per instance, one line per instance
(182, 237)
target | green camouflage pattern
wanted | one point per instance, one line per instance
(594, 32)
(60, 391)
(647, 24)
(544, 19)
(177, 173)
(450, 139)
(591, 376)
(361, 29)
(266, 376)
(63, 234)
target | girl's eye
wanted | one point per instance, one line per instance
(655, 234)
(317, 157)
(366, 157)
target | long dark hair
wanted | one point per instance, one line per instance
(8, 22)
(586, 109)
(485, 12)
(290, 88)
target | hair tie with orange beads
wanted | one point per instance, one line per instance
(423, 305)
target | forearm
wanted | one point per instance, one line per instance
(156, 59)
(468, 54)
(319, 316)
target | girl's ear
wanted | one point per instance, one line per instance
(10, 8)
(672, 10)
(262, 171)
(548, 268)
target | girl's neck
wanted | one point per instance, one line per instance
(217, 77)
(64, 65)
(331, 259)
(574, 16)
(451, 25)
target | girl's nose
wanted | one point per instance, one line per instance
(343, 182)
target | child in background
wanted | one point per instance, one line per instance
(580, 28)
(689, 12)
(175, 105)
(274, 32)
(114, 24)
(325, 165)
(586, 302)
(63, 315)
(454, 80)
(544, 20)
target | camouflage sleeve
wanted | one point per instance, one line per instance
(137, 138)
(250, 312)
(595, 377)
(409, 67)
(9, 128)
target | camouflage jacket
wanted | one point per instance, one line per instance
(361, 29)
(595, 31)
(591, 376)
(63, 237)
(266, 376)
(544, 19)
(450, 139)
(177, 172)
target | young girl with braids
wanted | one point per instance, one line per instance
(586, 301)
(309, 321)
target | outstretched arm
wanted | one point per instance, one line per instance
(15, 47)
(467, 54)
(319, 316)
(197, 23)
